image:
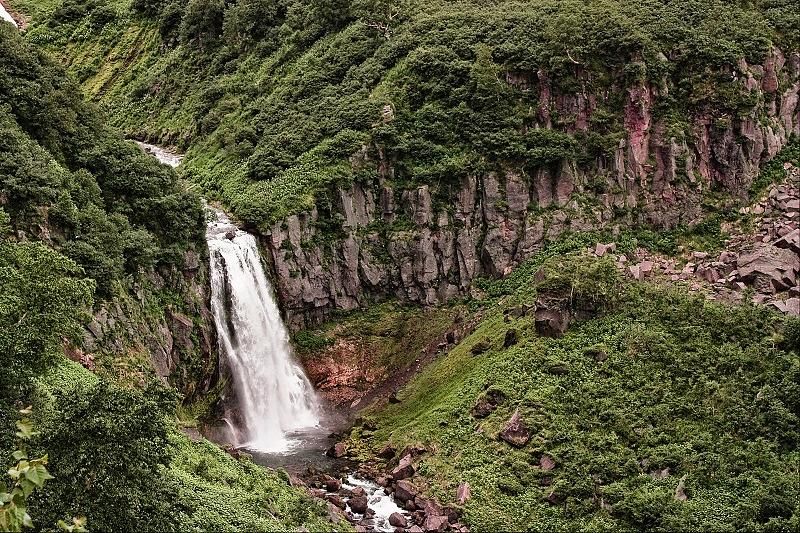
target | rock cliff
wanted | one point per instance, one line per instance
(427, 244)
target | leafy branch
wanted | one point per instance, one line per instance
(27, 476)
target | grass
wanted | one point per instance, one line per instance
(705, 390)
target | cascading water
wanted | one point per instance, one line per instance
(275, 397)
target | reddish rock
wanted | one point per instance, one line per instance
(435, 523)
(602, 249)
(336, 500)
(515, 431)
(415, 529)
(552, 322)
(463, 493)
(487, 403)
(332, 484)
(547, 463)
(405, 469)
(387, 452)
(404, 490)
(398, 520)
(769, 268)
(337, 450)
(358, 504)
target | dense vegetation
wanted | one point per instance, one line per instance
(293, 88)
(658, 389)
(83, 214)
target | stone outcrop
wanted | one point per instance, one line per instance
(428, 244)
(179, 337)
(516, 432)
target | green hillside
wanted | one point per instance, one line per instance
(276, 98)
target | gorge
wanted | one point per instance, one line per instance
(514, 265)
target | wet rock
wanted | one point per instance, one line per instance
(337, 450)
(515, 431)
(331, 483)
(398, 520)
(463, 493)
(230, 235)
(404, 490)
(336, 500)
(405, 469)
(358, 492)
(358, 504)
(511, 338)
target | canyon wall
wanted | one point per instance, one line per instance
(404, 244)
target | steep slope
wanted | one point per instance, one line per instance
(655, 411)
(403, 149)
(100, 252)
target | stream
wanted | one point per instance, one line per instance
(277, 417)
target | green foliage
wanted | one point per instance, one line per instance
(65, 178)
(704, 392)
(439, 90)
(42, 296)
(27, 475)
(774, 171)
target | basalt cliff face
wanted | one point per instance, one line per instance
(412, 245)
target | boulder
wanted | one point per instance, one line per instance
(547, 463)
(415, 529)
(404, 469)
(387, 452)
(336, 514)
(331, 483)
(790, 241)
(551, 322)
(769, 268)
(435, 523)
(336, 500)
(463, 493)
(602, 249)
(515, 431)
(404, 490)
(358, 504)
(398, 520)
(337, 450)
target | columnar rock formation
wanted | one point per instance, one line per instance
(428, 244)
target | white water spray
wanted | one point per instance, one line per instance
(275, 397)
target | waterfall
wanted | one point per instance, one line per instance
(4, 15)
(275, 397)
